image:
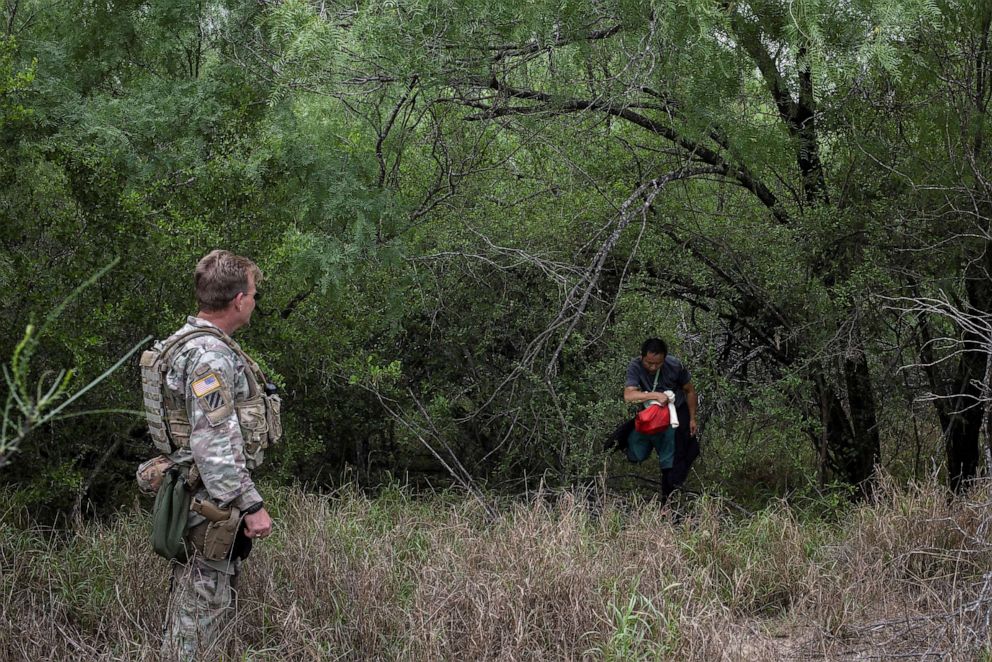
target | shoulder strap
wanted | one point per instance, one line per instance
(253, 370)
(172, 343)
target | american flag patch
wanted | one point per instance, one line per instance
(208, 384)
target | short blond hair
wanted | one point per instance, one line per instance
(219, 276)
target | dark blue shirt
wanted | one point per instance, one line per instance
(672, 378)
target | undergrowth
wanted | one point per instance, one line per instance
(561, 577)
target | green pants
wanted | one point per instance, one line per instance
(639, 446)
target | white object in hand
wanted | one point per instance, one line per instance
(671, 408)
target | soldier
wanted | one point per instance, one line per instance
(217, 422)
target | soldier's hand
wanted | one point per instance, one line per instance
(258, 525)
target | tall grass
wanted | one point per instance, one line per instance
(568, 577)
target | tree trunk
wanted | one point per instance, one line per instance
(962, 433)
(852, 441)
(866, 448)
(964, 415)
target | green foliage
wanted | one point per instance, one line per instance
(633, 637)
(35, 401)
(13, 83)
(428, 187)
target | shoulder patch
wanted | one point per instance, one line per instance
(206, 385)
(213, 400)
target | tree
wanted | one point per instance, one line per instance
(733, 95)
(933, 164)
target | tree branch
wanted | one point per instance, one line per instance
(739, 175)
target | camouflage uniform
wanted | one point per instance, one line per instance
(209, 375)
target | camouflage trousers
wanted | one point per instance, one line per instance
(202, 604)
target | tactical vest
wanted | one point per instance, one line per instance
(259, 415)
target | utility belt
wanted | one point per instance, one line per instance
(217, 537)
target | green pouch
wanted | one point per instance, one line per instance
(170, 515)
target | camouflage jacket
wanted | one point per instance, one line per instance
(209, 376)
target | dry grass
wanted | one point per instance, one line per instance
(347, 577)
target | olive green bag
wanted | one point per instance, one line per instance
(170, 515)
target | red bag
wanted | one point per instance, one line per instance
(652, 419)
